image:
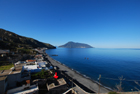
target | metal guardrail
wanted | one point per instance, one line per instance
(78, 86)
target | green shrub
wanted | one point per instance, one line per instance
(6, 67)
(43, 74)
(111, 92)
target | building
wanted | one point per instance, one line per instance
(4, 52)
(41, 64)
(39, 58)
(31, 68)
(18, 65)
(24, 89)
(59, 88)
(30, 61)
(16, 77)
(20, 62)
(9, 79)
(3, 80)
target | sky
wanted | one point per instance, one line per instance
(99, 23)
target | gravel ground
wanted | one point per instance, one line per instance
(90, 84)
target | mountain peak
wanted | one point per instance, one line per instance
(75, 45)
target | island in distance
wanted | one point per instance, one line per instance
(75, 45)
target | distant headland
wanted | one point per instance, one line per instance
(75, 45)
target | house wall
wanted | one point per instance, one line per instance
(20, 90)
(2, 87)
(60, 88)
(11, 91)
(14, 78)
(5, 86)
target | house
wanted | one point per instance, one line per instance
(9, 79)
(41, 64)
(30, 61)
(16, 77)
(36, 67)
(3, 80)
(24, 89)
(31, 68)
(18, 65)
(20, 62)
(44, 65)
(4, 52)
(39, 58)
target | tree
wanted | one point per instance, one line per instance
(119, 86)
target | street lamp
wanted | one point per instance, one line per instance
(132, 91)
(99, 84)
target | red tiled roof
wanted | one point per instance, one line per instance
(28, 81)
(31, 60)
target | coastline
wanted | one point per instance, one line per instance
(78, 77)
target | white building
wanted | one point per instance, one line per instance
(44, 65)
(31, 68)
(23, 90)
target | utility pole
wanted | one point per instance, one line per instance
(99, 84)
(138, 85)
(72, 82)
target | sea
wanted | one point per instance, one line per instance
(115, 65)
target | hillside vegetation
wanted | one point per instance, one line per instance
(12, 41)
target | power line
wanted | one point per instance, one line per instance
(118, 79)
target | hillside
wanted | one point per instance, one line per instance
(10, 40)
(75, 45)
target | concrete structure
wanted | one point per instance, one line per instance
(20, 62)
(31, 68)
(30, 60)
(71, 91)
(18, 66)
(15, 77)
(4, 52)
(41, 64)
(36, 68)
(9, 79)
(39, 58)
(3, 80)
(25, 89)
(44, 65)
(134, 92)
(57, 89)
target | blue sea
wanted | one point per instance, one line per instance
(110, 63)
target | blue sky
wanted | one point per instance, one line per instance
(99, 23)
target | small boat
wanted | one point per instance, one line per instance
(54, 55)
